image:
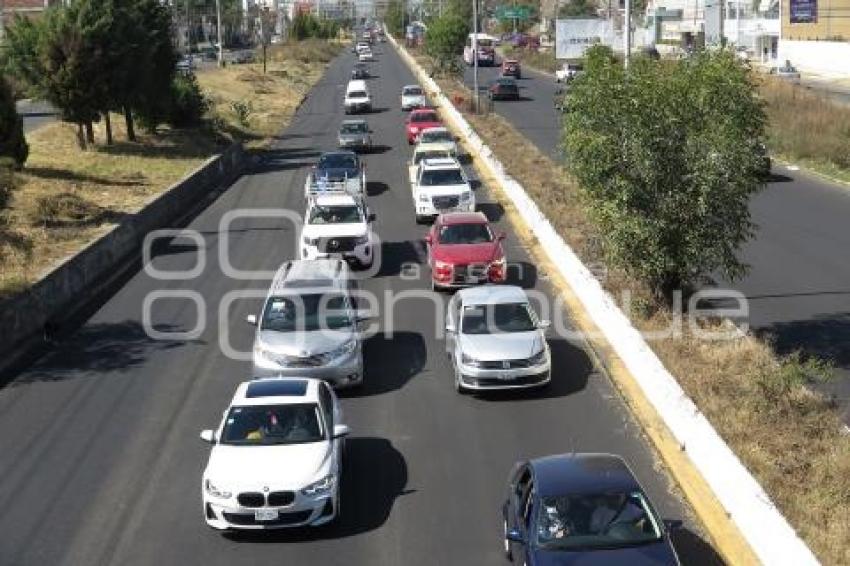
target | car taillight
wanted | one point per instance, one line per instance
(497, 270)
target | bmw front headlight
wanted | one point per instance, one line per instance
(215, 491)
(310, 241)
(423, 197)
(360, 240)
(466, 196)
(321, 487)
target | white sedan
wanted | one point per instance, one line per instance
(276, 459)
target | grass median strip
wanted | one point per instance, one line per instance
(66, 197)
(790, 438)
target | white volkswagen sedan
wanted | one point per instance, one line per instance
(276, 459)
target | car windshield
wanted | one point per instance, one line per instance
(424, 117)
(338, 214)
(265, 425)
(465, 234)
(360, 128)
(357, 94)
(599, 520)
(436, 136)
(433, 154)
(484, 42)
(412, 90)
(309, 312)
(338, 161)
(437, 177)
(497, 318)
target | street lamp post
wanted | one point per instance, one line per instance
(475, 51)
(627, 35)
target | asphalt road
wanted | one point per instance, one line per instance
(798, 287)
(99, 449)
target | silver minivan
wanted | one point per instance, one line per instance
(495, 340)
(308, 326)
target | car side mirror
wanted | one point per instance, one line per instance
(341, 431)
(513, 535)
(372, 217)
(251, 319)
(673, 524)
(450, 327)
(429, 239)
(208, 436)
(544, 324)
(502, 236)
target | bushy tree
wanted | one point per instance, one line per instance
(13, 145)
(395, 18)
(445, 39)
(668, 155)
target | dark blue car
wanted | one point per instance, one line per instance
(583, 509)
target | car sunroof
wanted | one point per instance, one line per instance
(277, 388)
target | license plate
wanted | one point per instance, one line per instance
(472, 280)
(506, 376)
(265, 514)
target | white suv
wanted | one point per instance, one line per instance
(440, 186)
(338, 225)
(276, 459)
(357, 97)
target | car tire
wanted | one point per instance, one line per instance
(506, 545)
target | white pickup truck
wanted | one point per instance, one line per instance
(425, 151)
(440, 186)
(338, 226)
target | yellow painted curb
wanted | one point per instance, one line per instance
(725, 535)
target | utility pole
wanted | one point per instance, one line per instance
(218, 34)
(188, 32)
(627, 34)
(475, 51)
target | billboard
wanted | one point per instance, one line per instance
(714, 22)
(803, 11)
(573, 37)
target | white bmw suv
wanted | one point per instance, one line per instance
(276, 459)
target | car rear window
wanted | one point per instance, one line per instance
(424, 117)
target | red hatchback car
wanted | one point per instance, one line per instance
(419, 120)
(463, 251)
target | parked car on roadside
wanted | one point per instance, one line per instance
(582, 509)
(495, 340)
(786, 71)
(463, 250)
(568, 72)
(276, 457)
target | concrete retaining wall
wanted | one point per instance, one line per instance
(765, 529)
(67, 287)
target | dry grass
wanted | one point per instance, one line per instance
(808, 127)
(66, 197)
(540, 60)
(788, 437)
(270, 98)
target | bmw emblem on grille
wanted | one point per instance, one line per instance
(266, 488)
(333, 244)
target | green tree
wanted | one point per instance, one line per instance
(445, 39)
(13, 145)
(395, 18)
(579, 9)
(668, 156)
(73, 74)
